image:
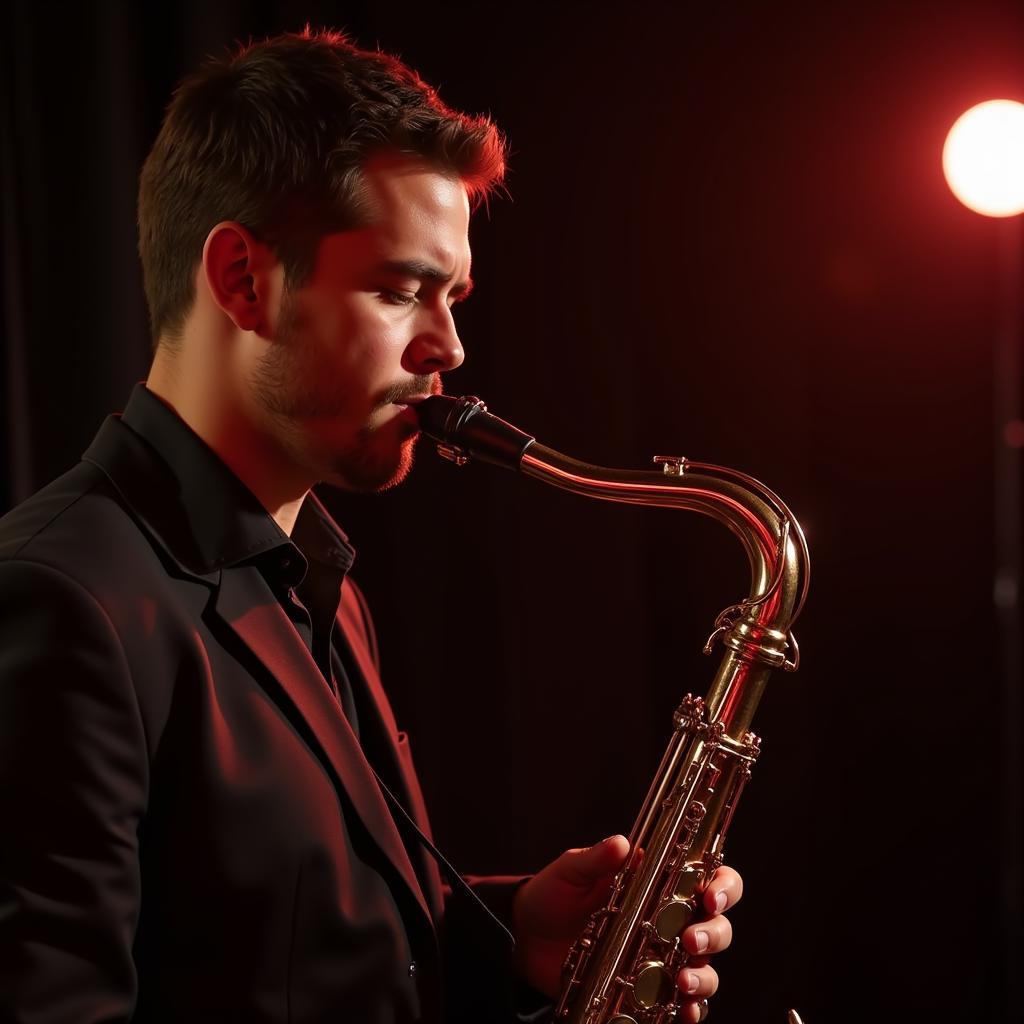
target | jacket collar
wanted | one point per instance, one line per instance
(217, 521)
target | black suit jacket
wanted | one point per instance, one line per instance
(191, 831)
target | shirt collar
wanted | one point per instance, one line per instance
(229, 524)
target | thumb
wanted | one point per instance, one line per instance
(584, 867)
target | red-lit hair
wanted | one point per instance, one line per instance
(275, 136)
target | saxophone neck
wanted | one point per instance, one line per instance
(756, 629)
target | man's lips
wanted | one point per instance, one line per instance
(410, 400)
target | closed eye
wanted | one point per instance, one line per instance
(426, 275)
(395, 298)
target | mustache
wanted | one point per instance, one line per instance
(425, 384)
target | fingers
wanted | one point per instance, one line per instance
(693, 1013)
(706, 937)
(698, 982)
(724, 890)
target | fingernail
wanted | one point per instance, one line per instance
(720, 901)
(701, 941)
(692, 983)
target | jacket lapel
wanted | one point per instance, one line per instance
(247, 606)
(351, 621)
(249, 609)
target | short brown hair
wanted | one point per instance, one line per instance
(275, 137)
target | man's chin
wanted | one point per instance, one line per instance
(369, 475)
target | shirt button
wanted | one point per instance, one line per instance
(412, 968)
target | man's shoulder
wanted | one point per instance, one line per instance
(78, 524)
(51, 512)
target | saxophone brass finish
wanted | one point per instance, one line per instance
(622, 969)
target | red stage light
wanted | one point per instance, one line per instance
(983, 158)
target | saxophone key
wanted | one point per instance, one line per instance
(688, 881)
(694, 815)
(673, 918)
(652, 986)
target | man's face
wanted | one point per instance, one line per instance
(370, 329)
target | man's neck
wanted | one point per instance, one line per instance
(210, 411)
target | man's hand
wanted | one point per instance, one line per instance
(553, 907)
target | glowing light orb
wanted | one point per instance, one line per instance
(983, 158)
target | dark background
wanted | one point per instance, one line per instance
(728, 237)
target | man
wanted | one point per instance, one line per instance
(210, 814)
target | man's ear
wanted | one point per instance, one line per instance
(238, 271)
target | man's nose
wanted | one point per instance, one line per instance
(436, 347)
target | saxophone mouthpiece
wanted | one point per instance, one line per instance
(464, 429)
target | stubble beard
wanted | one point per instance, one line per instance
(290, 392)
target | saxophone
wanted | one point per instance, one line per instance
(622, 968)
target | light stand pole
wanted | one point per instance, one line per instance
(1007, 592)
(984, 164)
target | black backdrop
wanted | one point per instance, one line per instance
(728, 237)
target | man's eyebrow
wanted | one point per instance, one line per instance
(427, 272)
